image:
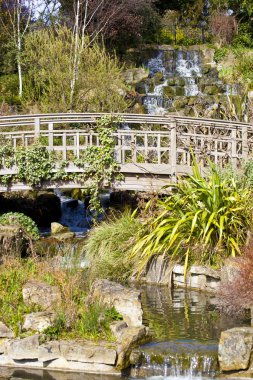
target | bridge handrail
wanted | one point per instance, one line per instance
(90, 118)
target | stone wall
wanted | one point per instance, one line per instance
(160, 271)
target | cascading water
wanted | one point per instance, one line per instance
(185, 327)
(188, 67)
(182, 65)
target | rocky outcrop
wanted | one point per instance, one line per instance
(57, 228)
(41, 294)
(38, 321)
(44, 207)
(161, 271)
(12, 241)
(235, 348)
(126, 301)
(5, 332)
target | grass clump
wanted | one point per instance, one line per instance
(109, 247)
(74, 319)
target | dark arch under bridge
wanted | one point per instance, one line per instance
(151, 150)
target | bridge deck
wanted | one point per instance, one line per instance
(151, 150)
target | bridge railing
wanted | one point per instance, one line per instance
(160, 145)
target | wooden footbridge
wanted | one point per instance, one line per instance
(150, 149)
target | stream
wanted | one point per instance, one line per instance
(185, 326)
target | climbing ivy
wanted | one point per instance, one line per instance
(35, 164)
(99, 162)
(26, 223)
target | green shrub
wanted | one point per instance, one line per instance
(220, 54)
(26, 223)
(203, 220)
(109, 247)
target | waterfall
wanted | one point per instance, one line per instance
(177, 64)
(188, 67)
(174, 360)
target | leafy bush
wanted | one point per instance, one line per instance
(220, 53)
(109, 246)
(203, 220)
(237, 294)
(26, 223)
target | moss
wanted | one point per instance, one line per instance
(158, 78)
(179, 91)
(211, 90)
(168, 91)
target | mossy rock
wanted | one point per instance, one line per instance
(180, 103)
(206, 69)
(140, 88)
(180, 81)
(171, 81)
(168, 91)
(180, 91)
(158, 78)
(192, 100)
(211, 90)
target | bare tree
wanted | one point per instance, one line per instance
(93, 18)
(15, 18)
(223, 27)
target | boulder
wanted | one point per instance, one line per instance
(5, 332)
(235, 347)
(41, 294)
(38, 321)
(229, 271)
(130, 338)
(12, 241)
(159, 271)
(126, 301)
(49, 351)
(3, 342)
(23, 349)
(118, 328)
(88, 352)
(57, 228)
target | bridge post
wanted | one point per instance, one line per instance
(234, 149)
(51, 137)
(37, 127)
(245, 148)
(173, 149)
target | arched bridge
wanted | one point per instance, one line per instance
(150, 149)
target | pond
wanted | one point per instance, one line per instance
(185, 326)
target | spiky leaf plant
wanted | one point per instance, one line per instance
(202, 220)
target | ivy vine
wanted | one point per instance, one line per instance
(35, 164)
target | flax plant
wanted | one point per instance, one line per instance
(203, 220)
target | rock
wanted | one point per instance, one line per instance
(180, 91)
(117, 328)
(23, 349)
(235, 348)
(57, 228)
(64, 236)
(230, 271)
(130, 338)
(43, 207)
(140, 88)
(159, 271)
(198, 277)
(5, 332)
(3, 342)
(88, 352)
(126, 301)
(49, 351)
(41, 294)
(132, 76)
(38, 321)
(211, 90)
(169, 91)
(12, 241)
